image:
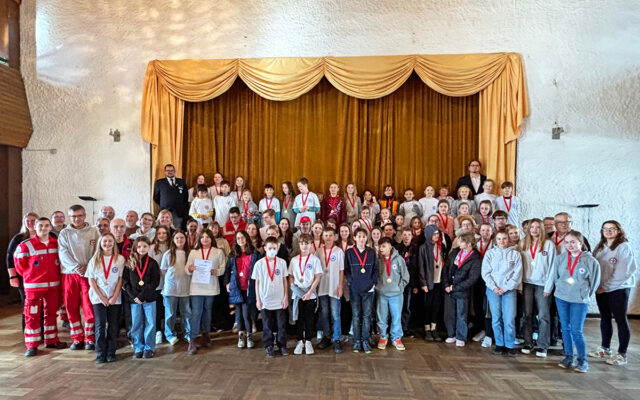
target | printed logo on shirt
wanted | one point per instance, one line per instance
(114, 270)
(394, 266)
(582, 270)
(36, 263)
(333, 258)
(206, 206)
(92, 243)
(512, 263)
(613, 260)
(277, 272)
(544, 253)
(309, 267)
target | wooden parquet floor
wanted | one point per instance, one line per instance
(424, 371)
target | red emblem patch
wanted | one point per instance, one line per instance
(613, 260)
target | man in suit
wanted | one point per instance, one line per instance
(171, 193)
(474, 180)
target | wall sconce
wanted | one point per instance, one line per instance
(115, 134)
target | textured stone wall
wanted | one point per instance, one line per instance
(84, 63)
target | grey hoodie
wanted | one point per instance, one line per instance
(585, 279)
(76, 246)
(399, 275)
(502, 268)
(539, 271)
(618, 267)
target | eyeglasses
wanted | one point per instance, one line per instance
(609, 229)
(78, 216)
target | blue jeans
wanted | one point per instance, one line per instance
(503, 317)
(201, 307)
(572, 316)
(391, 304)
(328, 303)
(171, 304)
(361, 309)
(143, 326)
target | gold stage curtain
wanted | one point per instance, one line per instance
(412, 137)
(498, 77)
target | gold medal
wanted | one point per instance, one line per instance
(570, 281)
(301, 280)
(389, 280)
(363, 270)
(141, 283)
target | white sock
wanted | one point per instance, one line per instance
(433, 326)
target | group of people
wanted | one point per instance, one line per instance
(445, 268)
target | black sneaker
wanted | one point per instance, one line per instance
(148, 354)
(100, 360)
(428, 336)
(337, 347)
(270, 352)
(111, 358)
(511, 353)
(89, 346)
(57, 345)
(323, 344)
(77, 346)
(284, 351)
(32, 351)
(499, 350)
(436, 336)
(526, 349)
(137, 355)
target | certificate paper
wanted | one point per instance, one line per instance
(202, 273)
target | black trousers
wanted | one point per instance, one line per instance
(614, 304)
(434, 300)
(306, 323)
(478, 303)
(106, 320)
(274, 321)
(159, 311)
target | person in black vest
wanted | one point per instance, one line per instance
(171, 193)
(474, 180)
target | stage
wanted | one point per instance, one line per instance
(425, 370)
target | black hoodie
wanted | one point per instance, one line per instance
(462, 277)
(425, 257)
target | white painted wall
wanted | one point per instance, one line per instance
(84, 63)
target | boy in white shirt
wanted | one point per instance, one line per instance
(304, 273)
(223, 203)
(306, 204)
(487, 194)
(410, 207)
(509, 203)
(269, 202)
(202, 207)
(330, 289)
(270, 274)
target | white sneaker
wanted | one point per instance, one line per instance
(517, 341)
(600, 352)
(479, 336)
(299, 347)
(319, 335)
(173, 341)
(253, 327)
(158, 337)
(250, 343)
(618, 359)
(450, 340)
(308, 347)
(242, 342)
(460, 343)
(487, 341)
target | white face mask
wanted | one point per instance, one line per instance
(271, 253)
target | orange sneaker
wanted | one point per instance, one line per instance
(398, 345)
(382, 343)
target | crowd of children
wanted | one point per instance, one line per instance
(437, 267)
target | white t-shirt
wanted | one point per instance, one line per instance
(331, 273)
(429, 207)
(271, 296)
(222, 205)
(312, 267)
(106, 284)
